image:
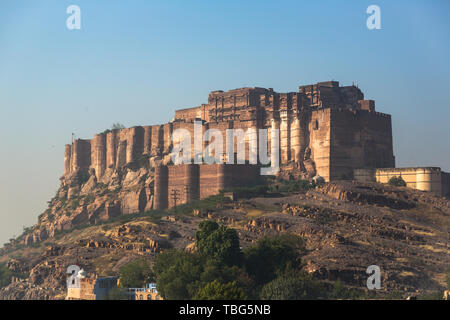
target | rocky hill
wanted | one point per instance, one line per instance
(348, 226)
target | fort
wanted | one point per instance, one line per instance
(324, 130)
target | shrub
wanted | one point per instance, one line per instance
(273, 256)
(249, 192)
(219, 242)
(203, 205)
(181, 275)
(136, 274)
(297, 286)
(220, 291)
(291, 186)
(397, 182)
(178, 274)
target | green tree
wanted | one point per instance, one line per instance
(178, 274)
(213, 269)
(219, 242)
(220, 291)
(136, 274)
(272, 256)
(5, 276)
(397, 182)
(299, 286)
(181, 274)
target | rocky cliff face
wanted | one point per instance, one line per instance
(84, 199)
(347, 227)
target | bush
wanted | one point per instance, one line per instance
(203, 205)
(273, 256)
(178, 274)
(219, 270)
(136, 274)
(218, 242)
(249, 192)
(218, 291)
(296, 286)
(291, 186)
(397, 182)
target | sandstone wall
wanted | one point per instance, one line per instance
(175, 185)
(428, 179)
(161, 191)
(80, 155)
(359, 139)
(320, 141)
(446, 184)
(98, 154)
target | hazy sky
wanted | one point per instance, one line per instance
(135, 62)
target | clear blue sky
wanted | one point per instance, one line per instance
(135, 62)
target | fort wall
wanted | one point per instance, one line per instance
(430, 179)
(320, 141)
(161, 188)
(111, 149)
(147, 140)
(180, 184)
(80, 155)
(98, 154)
(67, 159)
(359, 139)
(446, 184)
